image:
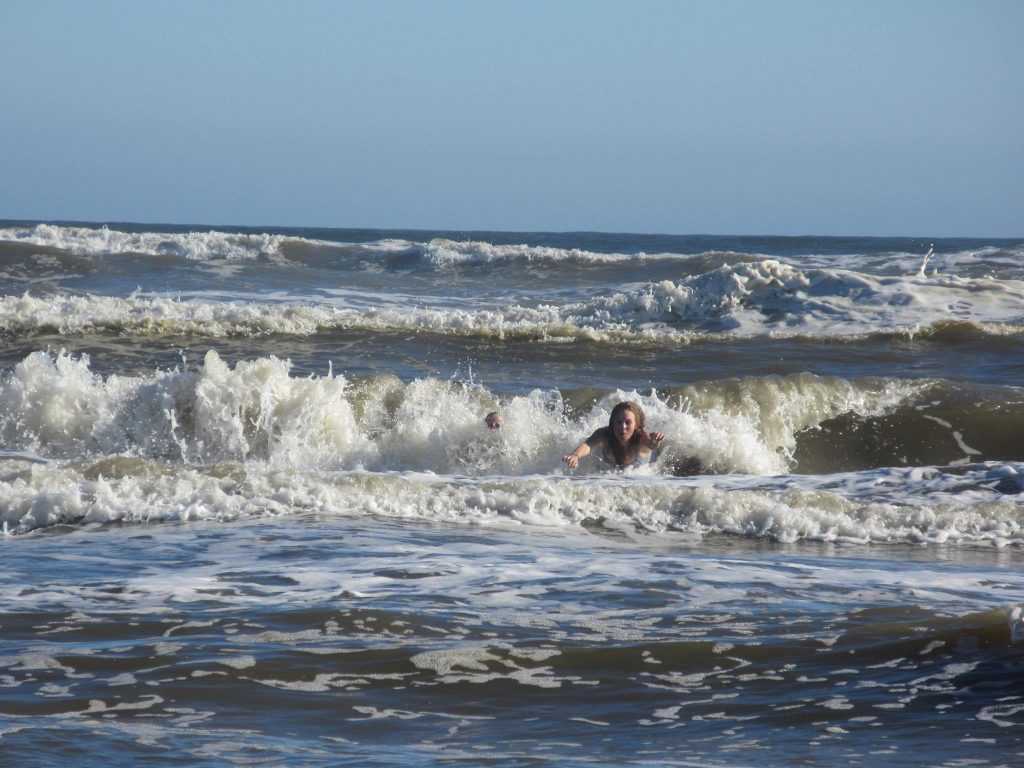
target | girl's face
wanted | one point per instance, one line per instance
(624, 425)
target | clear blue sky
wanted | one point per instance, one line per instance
(726, 116)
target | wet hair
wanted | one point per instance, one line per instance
(619, 451)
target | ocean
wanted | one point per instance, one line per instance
(252, 514)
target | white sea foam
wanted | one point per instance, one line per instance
(213, 244)
(55, 406)
(197, 246)
(771, 297)
(781, 510)
(223, 443)
(442, 252)
(747, 300)
(784, 509)
(166, 316)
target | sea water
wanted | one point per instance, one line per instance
(253, 515)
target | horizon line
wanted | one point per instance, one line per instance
(476, 230)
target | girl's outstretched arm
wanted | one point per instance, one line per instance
(583, 449)
(573, 459)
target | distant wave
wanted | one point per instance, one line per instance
(215, 245)
(446, 253)
(102, 240)
(763, 298)
(163, 316)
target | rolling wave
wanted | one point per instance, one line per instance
(765, 298)
(97, 241)
(56, 407)
(446, 251)
(213, 245)
(249, 441)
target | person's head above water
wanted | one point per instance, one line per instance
(623, 441)
(627, 422)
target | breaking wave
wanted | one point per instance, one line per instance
(55, 406)
(223, 442)
(124, 490)
(765, 298)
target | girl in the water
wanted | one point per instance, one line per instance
(623, 443)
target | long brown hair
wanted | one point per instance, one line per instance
(619, 451)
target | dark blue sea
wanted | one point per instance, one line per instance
(252, 515)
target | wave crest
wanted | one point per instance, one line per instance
(764, 298)
(55, 406)
(779, 510)
(194, 246)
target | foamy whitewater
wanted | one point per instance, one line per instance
(252, 513)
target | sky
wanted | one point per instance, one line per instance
(866, 117)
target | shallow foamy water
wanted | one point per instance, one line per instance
(321, 640)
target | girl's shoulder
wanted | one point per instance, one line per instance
(600, 439)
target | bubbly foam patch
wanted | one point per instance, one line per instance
(784, 509)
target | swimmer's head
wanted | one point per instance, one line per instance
(627, 422)
(493, 420)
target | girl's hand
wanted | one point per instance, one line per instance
(572, 460)
(656, 437)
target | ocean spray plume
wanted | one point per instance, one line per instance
(258, 409)
(54, 405)
(922, 272)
